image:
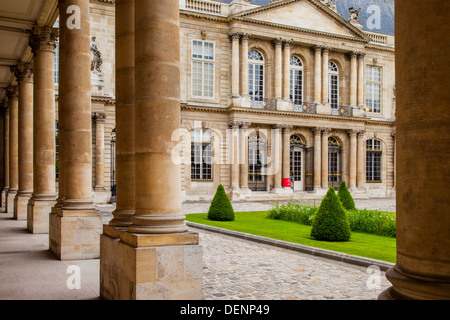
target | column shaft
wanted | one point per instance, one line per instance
(13, 148)
(325, 133)
(235, 148)
(361, 79)
(353, 77)
(317, 158)
(157, 116)
(99, 120)
(5, 157)
(244, 155)
(353, 158)
(287, 152)
(325, 84)
(286, 70)
(125, 113)
(277, 158)
(244, 64)
(235, 64)
(360, 174)
(317, 74)
(278, 68)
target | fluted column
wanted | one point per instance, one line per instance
(317, 74)
(4, 194)
(235, 64)
(276, 156)
(125, 113)
(353, 159)
(24, 75)
(99, 119)
(422, 269)
(244, 155)
(43, 44)
(244, 64)
(360, 172)
(235, 148)
(13, 101)
(325, 84)
(353, 78)
(317, 158)
(287, 130)
(325, 133)
(75, 224)
(361, 79)
(286, 69)
(278, 43)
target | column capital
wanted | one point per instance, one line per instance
(245, 36)
(245, 125)
(43, 39)
(361, 133)
(317, 49)
(352, 132)
(288, 43)
(326, 49)
(12, 92)
(98, 117)
(326, 131)
(277, 127)
(278, 42)
(317, 130)
(287, 129)
(361, 55)
(353, 54)
(234, 124)
(234, 35)
(23, 71)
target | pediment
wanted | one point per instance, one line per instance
(302, 14)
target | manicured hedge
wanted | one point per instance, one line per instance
(221, 208)
(345, 196)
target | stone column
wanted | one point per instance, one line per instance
(244, 156)
(234, 157)
(353, 157)
(75, 225)
(277, 159)
(361, 79)
(287, 70)
(317, 74)
(422, 269)
(360, 172)
(235, 64)
(125, 113)
(43, 44)
(244, 67)
(13, 98)
(353, 78)
(325, 84)
(325, 133)
(99, 119)
(5, 156)
(317, 158)
(278, 43)
(24, 75)
(163, 259)
(287, 153)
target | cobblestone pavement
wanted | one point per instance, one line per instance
(236, 269)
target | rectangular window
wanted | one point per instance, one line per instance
(373, 89)
(201, 156)
(373, 161)
(202, 69)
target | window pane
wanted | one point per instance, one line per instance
(209, 51)
(197, 50)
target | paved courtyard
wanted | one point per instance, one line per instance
(233, 268)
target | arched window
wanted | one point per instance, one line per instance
(333, 87)
(257, 153)
(296, 82)
(201, 155)
(256, 75)
(334, 162)
(373, 160)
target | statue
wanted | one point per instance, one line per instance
(96, 55)
(330, 4)
(353, 15)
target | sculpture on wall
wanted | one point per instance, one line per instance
(330, 4)
(96, 57)
(353, 15)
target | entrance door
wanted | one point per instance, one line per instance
(297, 168)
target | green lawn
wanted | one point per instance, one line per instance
(360, 244)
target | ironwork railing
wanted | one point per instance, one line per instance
(267, 104)
(345, 111)
(305, 107)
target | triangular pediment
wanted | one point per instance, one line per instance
(302, 14)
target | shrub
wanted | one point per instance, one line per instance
(330, 222)
(295, 212)
(373, 221)
(221, 208)
(345, 196)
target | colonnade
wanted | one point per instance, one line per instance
(282, 49)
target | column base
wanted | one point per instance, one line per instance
(38, 215)
(150, 267)
(75, 234)
(3, 199)
(21, 206)
(101, 196)
(407, 287)
(10, 200)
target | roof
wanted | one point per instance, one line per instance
(386, 12)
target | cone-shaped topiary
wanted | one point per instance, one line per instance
(221, 208)
(345, 196)
(330, 222)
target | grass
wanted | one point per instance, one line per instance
(360, 244)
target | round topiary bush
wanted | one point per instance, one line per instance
(345, 196)
(330, 222)
(221, 208)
